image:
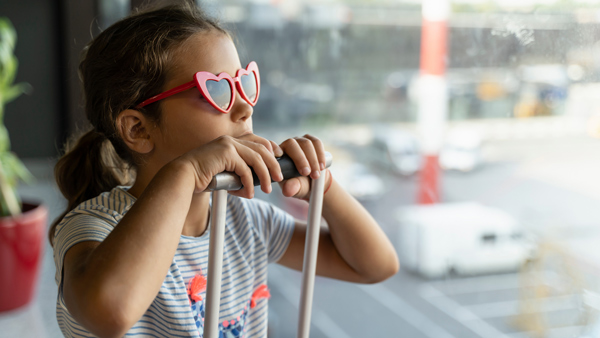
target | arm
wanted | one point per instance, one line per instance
(108, 285)
(353, 247)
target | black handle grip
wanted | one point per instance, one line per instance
(230, 181)
(288, 169)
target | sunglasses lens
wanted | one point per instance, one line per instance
(220, 92)
(249, 85)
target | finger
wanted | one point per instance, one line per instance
(276, 149)
(237, 157)
(270, 161)
(260, 140)
(255, 160)
(267, 168)
(311, 155)
(320, 149)
(292, 148)
(239, 166)
(268, 156)
(293, 187)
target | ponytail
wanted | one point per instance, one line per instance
(87, 169)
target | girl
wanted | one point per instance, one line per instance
(132, 260)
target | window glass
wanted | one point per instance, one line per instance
(518, 156)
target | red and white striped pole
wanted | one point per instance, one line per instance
(433, 95)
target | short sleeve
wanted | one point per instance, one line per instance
(275, 226)
(77, 227)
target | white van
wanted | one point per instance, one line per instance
(397, 152)
(461, 238)
(461, 151)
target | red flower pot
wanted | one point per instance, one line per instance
(22, 241)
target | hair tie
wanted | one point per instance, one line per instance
(97, 134)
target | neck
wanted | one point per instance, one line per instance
(196, 221)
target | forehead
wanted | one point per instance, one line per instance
(212, 52)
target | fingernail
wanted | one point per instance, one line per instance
(305, 171)
(322, 166)
(316, 174)
(279, 177)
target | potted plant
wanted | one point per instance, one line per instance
(22, 225)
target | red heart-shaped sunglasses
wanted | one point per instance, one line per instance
(219, 89)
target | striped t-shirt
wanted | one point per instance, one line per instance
(256, 233)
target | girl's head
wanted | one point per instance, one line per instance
(134, 59)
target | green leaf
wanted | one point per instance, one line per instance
(3, 208)
(8, 71)
(18, 168)
(12, 170)
(15, 91)
(8, 39)
(10, 177)
(5, 53)
(9, 199)
(4, 139)
(8, 35)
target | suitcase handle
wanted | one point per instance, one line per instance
(231, 181)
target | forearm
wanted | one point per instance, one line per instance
(127, 269)
(357, 237)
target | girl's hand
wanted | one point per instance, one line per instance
(231, 154)
(308, 154)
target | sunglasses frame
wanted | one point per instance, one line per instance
(199, 82)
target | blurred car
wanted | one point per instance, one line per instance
(461, 238)
(358, 180)
(397, 152)
(461, 151)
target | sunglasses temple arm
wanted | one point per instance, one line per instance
(231, 181)
(168, 93)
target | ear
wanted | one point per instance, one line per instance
(134, 129)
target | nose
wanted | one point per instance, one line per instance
(241, 110)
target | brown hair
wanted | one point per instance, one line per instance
(122, 66)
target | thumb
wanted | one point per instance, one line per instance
(294, 187)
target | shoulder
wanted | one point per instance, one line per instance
(113, 203)
(107, 208)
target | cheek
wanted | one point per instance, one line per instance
(188, 125)
(176, 137)
(189, 135)
(203, 104)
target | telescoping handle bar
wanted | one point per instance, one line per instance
(231, 181)
(219, 186)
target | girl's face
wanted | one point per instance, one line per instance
(188, 120)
